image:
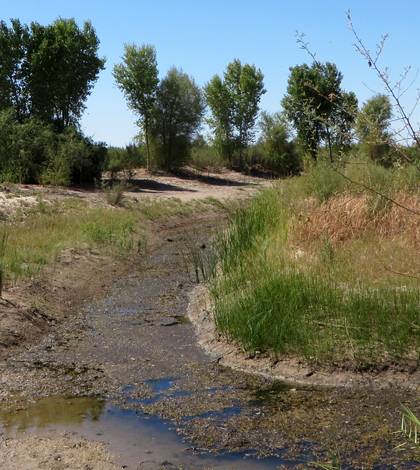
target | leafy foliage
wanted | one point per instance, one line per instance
(372, 128)
(234, 102)
(278, 148)
(46, 75)
(48, 71)
(317, 106)
(138, 78)
(31, 152)
(177, 117)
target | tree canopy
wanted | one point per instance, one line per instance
(48, 72)
(234, 104)
(137, 77)
(177, 117)
(372, 127)
(277, 144)
(317, 106)
(46, 75)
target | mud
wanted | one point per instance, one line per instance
(132, 346)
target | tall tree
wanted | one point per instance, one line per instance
(372, 127)
(317, 106)
(137, 77)
(277, 145)
(234, 103)
(220, 103)
(13, 80)
(48, 71)
(63, 66)
(177, 117)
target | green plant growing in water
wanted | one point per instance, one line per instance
(3, 243)
(335, 464)
(202, 258)
(410, 427)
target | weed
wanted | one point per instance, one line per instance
(410, 427)
(199, 257)
(3, 244)
(115, 194)
(334, 464)
(320, 280)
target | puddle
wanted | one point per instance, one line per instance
(135, 438)
(162, 385)
(182, 319)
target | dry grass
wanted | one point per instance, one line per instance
(349, 264)
(347, 217)
(373, 244)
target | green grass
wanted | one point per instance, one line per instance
(37, 236)
(328, 276)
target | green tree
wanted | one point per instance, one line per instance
(372, 128)
(13, 79)
(46, 75)
(62, 67)
(234, 103)
(137, 77)
(277, 144)
(178, 115)
(220, 103)
(319, 109)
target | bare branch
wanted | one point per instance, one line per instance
(384, 75)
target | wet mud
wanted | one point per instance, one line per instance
(129, 365)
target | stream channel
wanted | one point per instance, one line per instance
(128, 371)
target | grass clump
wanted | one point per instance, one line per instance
(328, 279)
(40, 237)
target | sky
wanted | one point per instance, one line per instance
(202, 37)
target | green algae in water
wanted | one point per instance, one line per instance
(52, 411)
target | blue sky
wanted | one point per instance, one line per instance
(202, 37)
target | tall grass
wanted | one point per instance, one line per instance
(40, 235)
(324, 273)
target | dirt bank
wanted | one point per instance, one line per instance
(99, 327)
(41, 314)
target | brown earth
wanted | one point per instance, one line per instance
(30, 311)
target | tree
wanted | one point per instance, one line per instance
(317, 106)
(219, 100)
(372, 127)
(13, 79)
(46, 75)
(62, 67)
(138, 78)
(48, 71)
(277, 146)
(177, 117)
(234, 103)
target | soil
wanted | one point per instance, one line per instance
(96, 326)
(46, 311)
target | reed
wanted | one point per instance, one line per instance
(328, 279)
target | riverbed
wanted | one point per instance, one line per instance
(128, 370)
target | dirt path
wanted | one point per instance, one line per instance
(40, 349)
(121, 331)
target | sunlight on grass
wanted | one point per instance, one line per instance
(320, 270)
(38, 236)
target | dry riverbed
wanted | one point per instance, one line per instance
(103, 331)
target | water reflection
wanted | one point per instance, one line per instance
(149, 442)
(52, 411)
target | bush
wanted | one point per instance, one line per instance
(205, 156)
(126, 159)
(31, 152)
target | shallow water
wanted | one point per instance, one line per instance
(135, 347)
(149, 441)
